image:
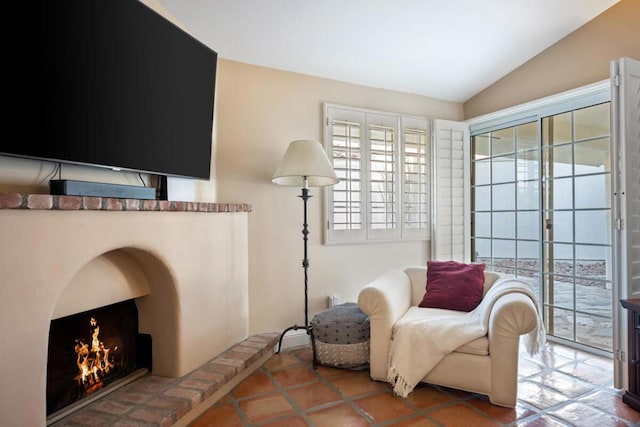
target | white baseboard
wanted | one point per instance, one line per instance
(294, 339)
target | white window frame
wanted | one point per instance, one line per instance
(366, 233)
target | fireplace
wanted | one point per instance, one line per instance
(184, 264)
(90, 351)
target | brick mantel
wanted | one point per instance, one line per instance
(78, 203)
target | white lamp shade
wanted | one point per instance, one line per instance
(305, 158)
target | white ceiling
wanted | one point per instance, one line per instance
(446, 49)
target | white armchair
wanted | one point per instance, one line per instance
(487, 365)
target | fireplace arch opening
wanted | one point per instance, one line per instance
(117, 310)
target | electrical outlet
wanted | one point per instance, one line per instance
(333, 301)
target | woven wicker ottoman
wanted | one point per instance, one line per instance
(342, 337)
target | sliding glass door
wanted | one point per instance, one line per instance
(541, 210)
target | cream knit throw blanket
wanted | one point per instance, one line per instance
(419, 345)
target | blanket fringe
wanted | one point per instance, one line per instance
(400, 386)
(535, 339)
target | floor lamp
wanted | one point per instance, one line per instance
(305, 164)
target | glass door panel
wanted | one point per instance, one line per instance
(528, 196)
(577, 229)
(503, 197)
(541, 210)
(506, 201)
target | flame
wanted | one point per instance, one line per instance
(93, 363)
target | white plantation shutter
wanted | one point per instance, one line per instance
(383, 175)
(627, 140)
(416, 178)
(382, 161)
(345, 141)
(451, 209)
(625, 125)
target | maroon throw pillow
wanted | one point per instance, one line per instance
(453, 285)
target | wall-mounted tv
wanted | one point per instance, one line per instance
(113, 84)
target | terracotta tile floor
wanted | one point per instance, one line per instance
(558, 387)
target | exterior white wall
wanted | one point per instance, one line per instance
(595, 224)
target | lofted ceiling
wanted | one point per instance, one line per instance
(446, 49)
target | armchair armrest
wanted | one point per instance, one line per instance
(512, 315)
(384, 300)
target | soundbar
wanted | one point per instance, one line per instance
(69, 187)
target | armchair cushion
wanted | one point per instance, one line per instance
(453, 285)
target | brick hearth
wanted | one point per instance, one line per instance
(160, 401)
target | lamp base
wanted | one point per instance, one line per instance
(309, 331)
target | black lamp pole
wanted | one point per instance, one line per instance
(305, 264)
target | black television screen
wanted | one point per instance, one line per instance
(116, 85)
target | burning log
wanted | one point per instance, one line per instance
(94, 363)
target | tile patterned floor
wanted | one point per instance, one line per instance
(558, 387)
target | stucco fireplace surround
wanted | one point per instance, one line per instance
(185, 264)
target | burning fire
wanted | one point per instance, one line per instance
(93, 362)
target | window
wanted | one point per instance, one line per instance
(383, 163)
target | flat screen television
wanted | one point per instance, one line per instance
(114, 84)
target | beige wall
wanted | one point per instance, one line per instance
(32, 176)
(579, 59)
(259, 112)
